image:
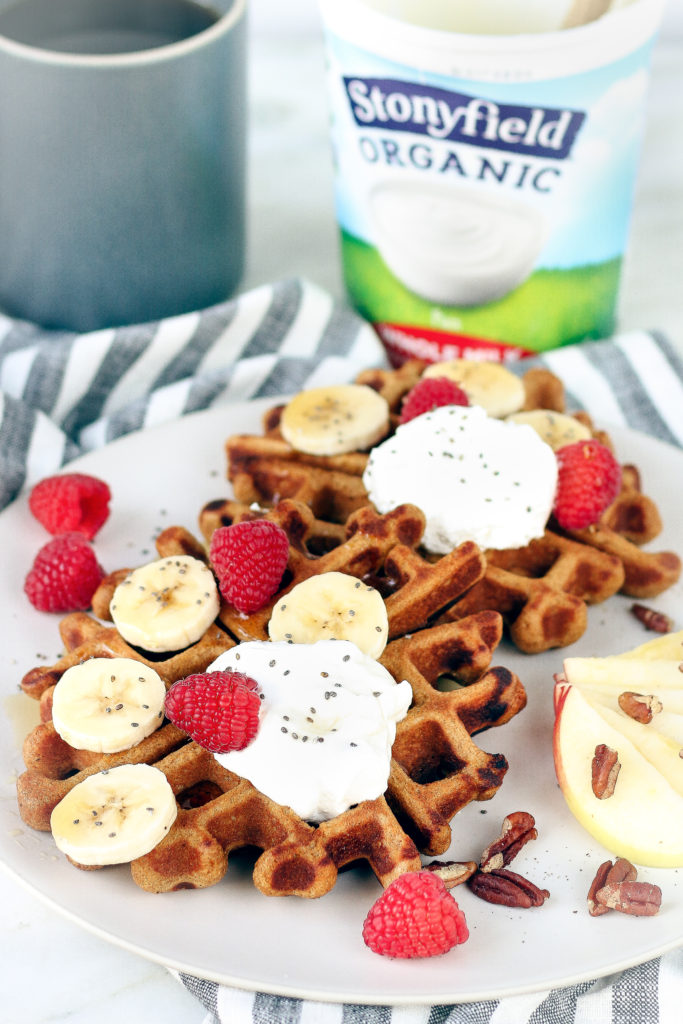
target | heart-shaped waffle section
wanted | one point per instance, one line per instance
(297, 859)
(437, 768)
(541, 590)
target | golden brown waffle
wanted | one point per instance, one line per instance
(297, 859)
(265, 468)
(381, 549)
(437, 770)
(436, 767)
(84, 637)
(541, 590)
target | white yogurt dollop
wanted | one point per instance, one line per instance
(474, 477)
(326, 727)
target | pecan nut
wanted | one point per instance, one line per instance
(658, 622)
(640, 899)
(452, 872)
(609, 874)
(507, 889)
(518, 829)
(605, 769)
(639, 706)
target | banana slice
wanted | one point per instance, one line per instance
(490, 385)
(108, 704)
(114, 816)
(334, 420)
(555, 428)
(332, 606)
(166, 605)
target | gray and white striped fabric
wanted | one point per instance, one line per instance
(647, 994)
(62, 394)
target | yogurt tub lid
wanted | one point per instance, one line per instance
(520, 57)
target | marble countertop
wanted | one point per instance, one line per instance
(53, 970)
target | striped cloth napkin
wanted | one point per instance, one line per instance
(62, 394)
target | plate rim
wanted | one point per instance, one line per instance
(621, 434)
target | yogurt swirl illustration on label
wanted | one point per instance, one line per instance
(458, 247)
(326, 727)
(474, 477)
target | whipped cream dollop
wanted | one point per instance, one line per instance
(474, 477)
(327, 724)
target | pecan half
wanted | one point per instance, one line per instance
(507, 888)
(640, 899)
(639, 706)
(518, 829)
(609, 874)
(452, 872)
(651, 619)
(605, 769)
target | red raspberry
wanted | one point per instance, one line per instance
(72, 502)
(64, 575)
(219, 710)
(589, 479)
(415, 916)
(249, 560)
(430, 393)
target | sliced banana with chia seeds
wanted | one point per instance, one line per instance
(166, 605)
(334, 420)
(115, 815)
(329, 606)
(555, 428)
(108, 704)
(490, 385)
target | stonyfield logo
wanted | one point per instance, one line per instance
(441, 114)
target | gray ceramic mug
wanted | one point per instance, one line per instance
(122, 174)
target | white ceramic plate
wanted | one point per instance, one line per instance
(233, 934)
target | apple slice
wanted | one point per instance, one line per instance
(604, 679)
(669, 645)
(616, 674)
(643, 819)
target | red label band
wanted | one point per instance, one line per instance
(403, 342)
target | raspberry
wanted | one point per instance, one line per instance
(415, 916)
(73, 502)
(64, 576)
(588, 481)
(219, 710)
(249, 560)
(430, 393)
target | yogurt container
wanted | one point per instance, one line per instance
(484, 182)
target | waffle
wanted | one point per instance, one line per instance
(265, 469)
(542, 590)
(380, 549)
(85, 637)
(436, 770)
